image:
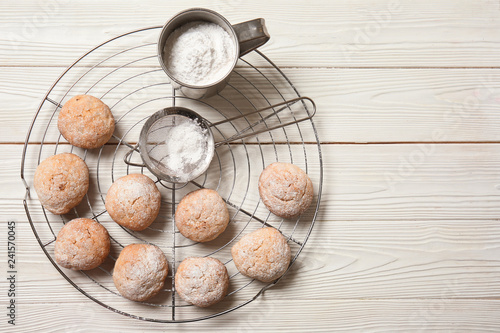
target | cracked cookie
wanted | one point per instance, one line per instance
(133, 201)
(82, 244)
(263, 254)
(285, 189)
(202, 215)
(140, 271)
(201, 281)
(86, 122)
(61, 181)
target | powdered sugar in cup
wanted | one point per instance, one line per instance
(198, 49)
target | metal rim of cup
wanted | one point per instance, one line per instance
(170, 111)
(163, 39)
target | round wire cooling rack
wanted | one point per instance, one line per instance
(124, 73)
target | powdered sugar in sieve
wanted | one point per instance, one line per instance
(176, 144)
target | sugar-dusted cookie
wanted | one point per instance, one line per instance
(86, 122)
(202, 215)
(201, 281)
(82, 244)
(263, 254)
(285, 189)
(133, 201)
(61, 181)
(140, 271)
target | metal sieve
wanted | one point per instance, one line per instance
(177, 144)
(162, 157)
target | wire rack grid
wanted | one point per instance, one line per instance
(125, 74)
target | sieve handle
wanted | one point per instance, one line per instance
(276, 109)
(127, 161)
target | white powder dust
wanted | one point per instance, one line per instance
(199, 53)
(186, 145)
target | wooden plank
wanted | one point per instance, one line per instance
(350, 260)
(353, 105)
(389, 33)
(361, 182)
(270, 315)
(426, 274)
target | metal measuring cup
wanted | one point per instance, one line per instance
(246, 36)
(152, 139)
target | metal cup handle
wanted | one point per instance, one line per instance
(251, 34)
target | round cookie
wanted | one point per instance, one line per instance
(285, 189)
(133, 201)
(82, 244)
(202, 215)
(140, 271)
(263, 254)
(86, 122)
(201, 281)
(61, 181)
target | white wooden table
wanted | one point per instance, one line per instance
(408, 95)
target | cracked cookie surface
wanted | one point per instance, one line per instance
(61, 181)
(140, 271)
(86, 122)
(263, 254)
(202, 215)
(82, 244)
(285, 189)
(201, 281)
(133, 201)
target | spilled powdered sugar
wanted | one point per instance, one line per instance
(199, 53)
